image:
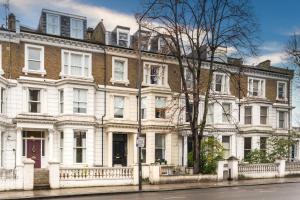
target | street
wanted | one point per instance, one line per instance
(263, 192)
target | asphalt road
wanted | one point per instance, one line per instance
(289, 191)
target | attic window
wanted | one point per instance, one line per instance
(123, 38)
(53, 24)
(76, 28)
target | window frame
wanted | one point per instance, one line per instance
(123, 31)
(229, 144)
(26, 69)
(248, 150)
(162, 148)
(114, 107)
(284, 98)
(61, 146)
(72, 28)
(225, 83)
(125, 80)
(80, 102)
(61, 99)
(248, 116)
(58, 25)
(285, 113)
(261, 93)
(161, 112)
(228, 118)
(163, 74)
(38, 102)
(144, 109)
(2, 100)
(266, 116)
(210, 115)
(83, 147)
(187, 81)
(69, 66)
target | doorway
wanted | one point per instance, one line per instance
(120, 149)
(34, 152)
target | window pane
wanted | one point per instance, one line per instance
(218, 86)
(76, 64)
(34, 65)
(248, 115)
(34, 54)
(34, 95)
(160, 102)
(154, 74)
(119, 70)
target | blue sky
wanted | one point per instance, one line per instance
(278, 20)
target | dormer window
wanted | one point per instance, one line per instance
(53, 24)
(123, 38)
(76, 28)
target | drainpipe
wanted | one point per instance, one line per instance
(102, 118)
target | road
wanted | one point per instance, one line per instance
(289, 191)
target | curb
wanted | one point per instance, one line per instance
(151, 190)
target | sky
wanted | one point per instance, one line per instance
(277, 20)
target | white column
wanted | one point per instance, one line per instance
(150, 145)
(185, 150)
(168, 148)
(19, 147)
(51, 145)
(135, 149)
(68, 146)
(90, 147)
(109, 149)
(233, 146)
(1, 164)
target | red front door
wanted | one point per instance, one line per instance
(34, 152)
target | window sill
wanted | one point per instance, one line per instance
(126, 82)
(27, 71)
(76, 77)
(281, 99)
(155, 85)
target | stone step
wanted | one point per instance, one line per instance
(41, 187)
(41, 177)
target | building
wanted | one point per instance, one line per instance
(68, 93)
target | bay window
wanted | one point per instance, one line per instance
(53, 24)
(221, 83)
(160, 147)
(34, 101)
(76, 64)
(263, 115)
(248, 114)
(61, 101)
(79, 147)
(76, 28)
(119, 107)
(281, 90)
(210, 114)
(79, 100)
(144, 108)
(226, 146)
(282, 119)
(160, 107)
(155, 74)
(226, 114)
(256, 87)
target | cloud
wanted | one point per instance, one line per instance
(28, 12)
(276, 58)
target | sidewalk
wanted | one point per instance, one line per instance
(44, 194)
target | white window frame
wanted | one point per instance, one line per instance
(225, 83)
(61, 100)
(162, 109)
(114, 106)
(58, 25)
(210, 115)
(162, 148)
(186, 69)
(26, 69)
(83, 55)
(285, 124)
(39, 102)
(250, 116)
(71, 29)
(230, 146)
(163, 74)
(86, 102)
(125, 80)
(267, 117)
(1, 60)
(261, 87)
(126, 32)
(83, 147)
(228, 118)
(285, 91)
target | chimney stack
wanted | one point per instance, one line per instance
(11, 22)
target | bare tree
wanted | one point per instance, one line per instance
(193, 29)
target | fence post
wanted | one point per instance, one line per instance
(154, 173)
(135, 175)
(28, 171)
(53, 174)
(220, 170)
(233, 166)
(281, 167)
